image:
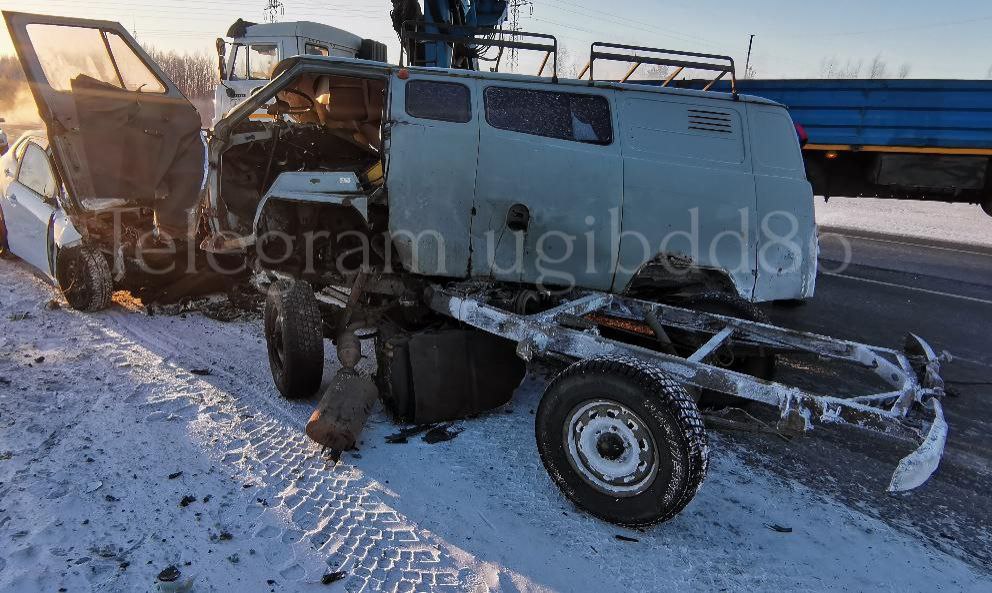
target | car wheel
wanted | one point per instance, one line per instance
(83, 276)
(761, 364)
(623, 440)
(294, 338)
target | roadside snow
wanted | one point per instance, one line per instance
(90, 435)
(961, 223)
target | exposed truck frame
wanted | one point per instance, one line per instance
(573, 330)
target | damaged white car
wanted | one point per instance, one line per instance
(120, 167)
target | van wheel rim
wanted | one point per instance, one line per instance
(611, 448)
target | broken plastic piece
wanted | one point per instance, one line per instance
(916, 468)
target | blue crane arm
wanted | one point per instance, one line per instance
(485, 14)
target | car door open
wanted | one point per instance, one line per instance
(119, 128)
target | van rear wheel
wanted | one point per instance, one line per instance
(622, 440)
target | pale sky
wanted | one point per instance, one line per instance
(946, 39)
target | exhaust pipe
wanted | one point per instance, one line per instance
(347, 402)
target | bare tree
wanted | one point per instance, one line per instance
(878, 68)
(650, 72)
(828, 67)
(567, 67)
(832, 68)
(904, 70)
(194, 74)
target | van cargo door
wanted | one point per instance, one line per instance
(688, 190)
(787, 251)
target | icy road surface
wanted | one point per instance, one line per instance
(100, 413)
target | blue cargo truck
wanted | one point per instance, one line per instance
(903, 139)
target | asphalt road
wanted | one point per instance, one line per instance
(875, 290)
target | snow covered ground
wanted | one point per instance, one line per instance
(959, 223)
(100, 413)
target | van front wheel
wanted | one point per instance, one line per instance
(294, 338)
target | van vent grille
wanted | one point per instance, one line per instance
(711, 121)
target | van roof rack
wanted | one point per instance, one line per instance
(723, 65)
(480, 37)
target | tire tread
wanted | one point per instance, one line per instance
(673, 396)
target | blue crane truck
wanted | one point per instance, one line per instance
(902, 139)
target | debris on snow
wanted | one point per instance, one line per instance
(442, 433)
(332, 577)
(401, 436)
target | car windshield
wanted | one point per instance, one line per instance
(66, 53)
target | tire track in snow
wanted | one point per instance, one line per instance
(336, 511)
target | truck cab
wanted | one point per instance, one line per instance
(246, 59)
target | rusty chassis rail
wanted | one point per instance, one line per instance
(913, 376)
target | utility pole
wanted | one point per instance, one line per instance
(513, 24)
(747, 63)
(273, 9)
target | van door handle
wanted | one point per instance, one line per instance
(518, 217)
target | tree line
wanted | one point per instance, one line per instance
(194, 73)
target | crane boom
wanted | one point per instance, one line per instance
(464, 17)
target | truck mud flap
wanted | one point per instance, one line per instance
(446, 374)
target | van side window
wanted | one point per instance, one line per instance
(443, 101)
(566, 116)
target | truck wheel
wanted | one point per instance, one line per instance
(294, 338)
(761, 365)
(622, 440)
(83, 276)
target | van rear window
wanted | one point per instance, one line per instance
(566, 116)
(443, 101)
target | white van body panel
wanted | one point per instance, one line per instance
(688, 191)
